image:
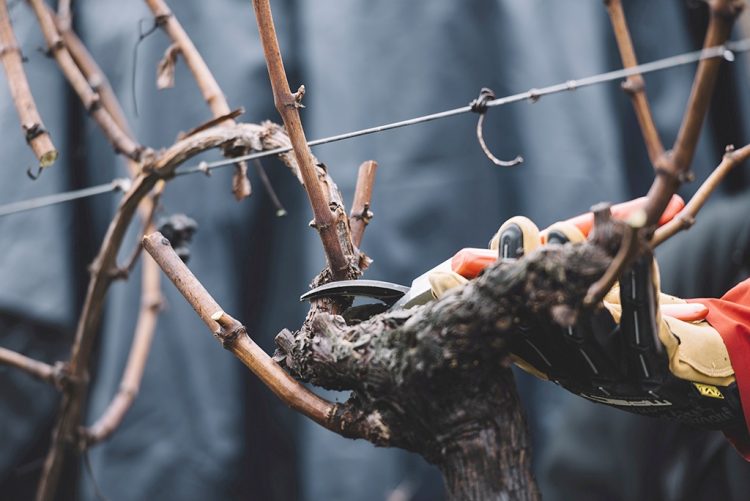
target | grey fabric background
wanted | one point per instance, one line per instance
(202, 427)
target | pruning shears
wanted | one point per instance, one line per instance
(469, 262)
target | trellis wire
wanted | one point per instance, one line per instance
(726, 51)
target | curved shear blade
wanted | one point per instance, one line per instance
(386, 292)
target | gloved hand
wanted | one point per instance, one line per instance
(643, 351)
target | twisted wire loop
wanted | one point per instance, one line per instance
(479, 105)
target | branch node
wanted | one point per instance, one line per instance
(4, 49)
(50, 50)
(365, 216)
(94, 104)
(118, 273)
(33, 131)
(686, 177)
(686, 221)
(726, 9)
(161, 19)
(297, 96)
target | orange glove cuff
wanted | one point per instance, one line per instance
(730, 316)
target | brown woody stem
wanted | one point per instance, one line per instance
(44, 372)
(64, 13)
(207, 84)
(288, 105)
(674, 167)
(233, 335)
(634, 85)
(360, 214)
(151, 302)
(90, 99)
(686, 217)
(10, 53)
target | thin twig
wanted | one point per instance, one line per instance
(288, 105)
(36, 135)
(360, 214)
(212, 123)
(686, 218)
(48, 373)
(203, 77)
(151, 302)
(148, 210)
(634, 84)
(233, 335)
(90, 99)
(94, 76)
(280, 210)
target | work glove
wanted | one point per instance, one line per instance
(643, 351)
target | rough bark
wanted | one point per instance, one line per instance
(435, 380)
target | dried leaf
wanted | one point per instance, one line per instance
(240, 183)
(165, 69)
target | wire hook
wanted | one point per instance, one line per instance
(479, 105)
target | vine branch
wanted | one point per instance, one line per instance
(90, 98)
(360, 214)
(35, 133)
(151, 304)
(104, 269)
(686, 218)
(288, 105)
(53, 374)
(209, 87)
(233, 335)
(634, 85)
(673, 168)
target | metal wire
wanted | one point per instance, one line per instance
(725, 51)
(68, 196)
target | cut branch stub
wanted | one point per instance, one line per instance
(360, 214)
